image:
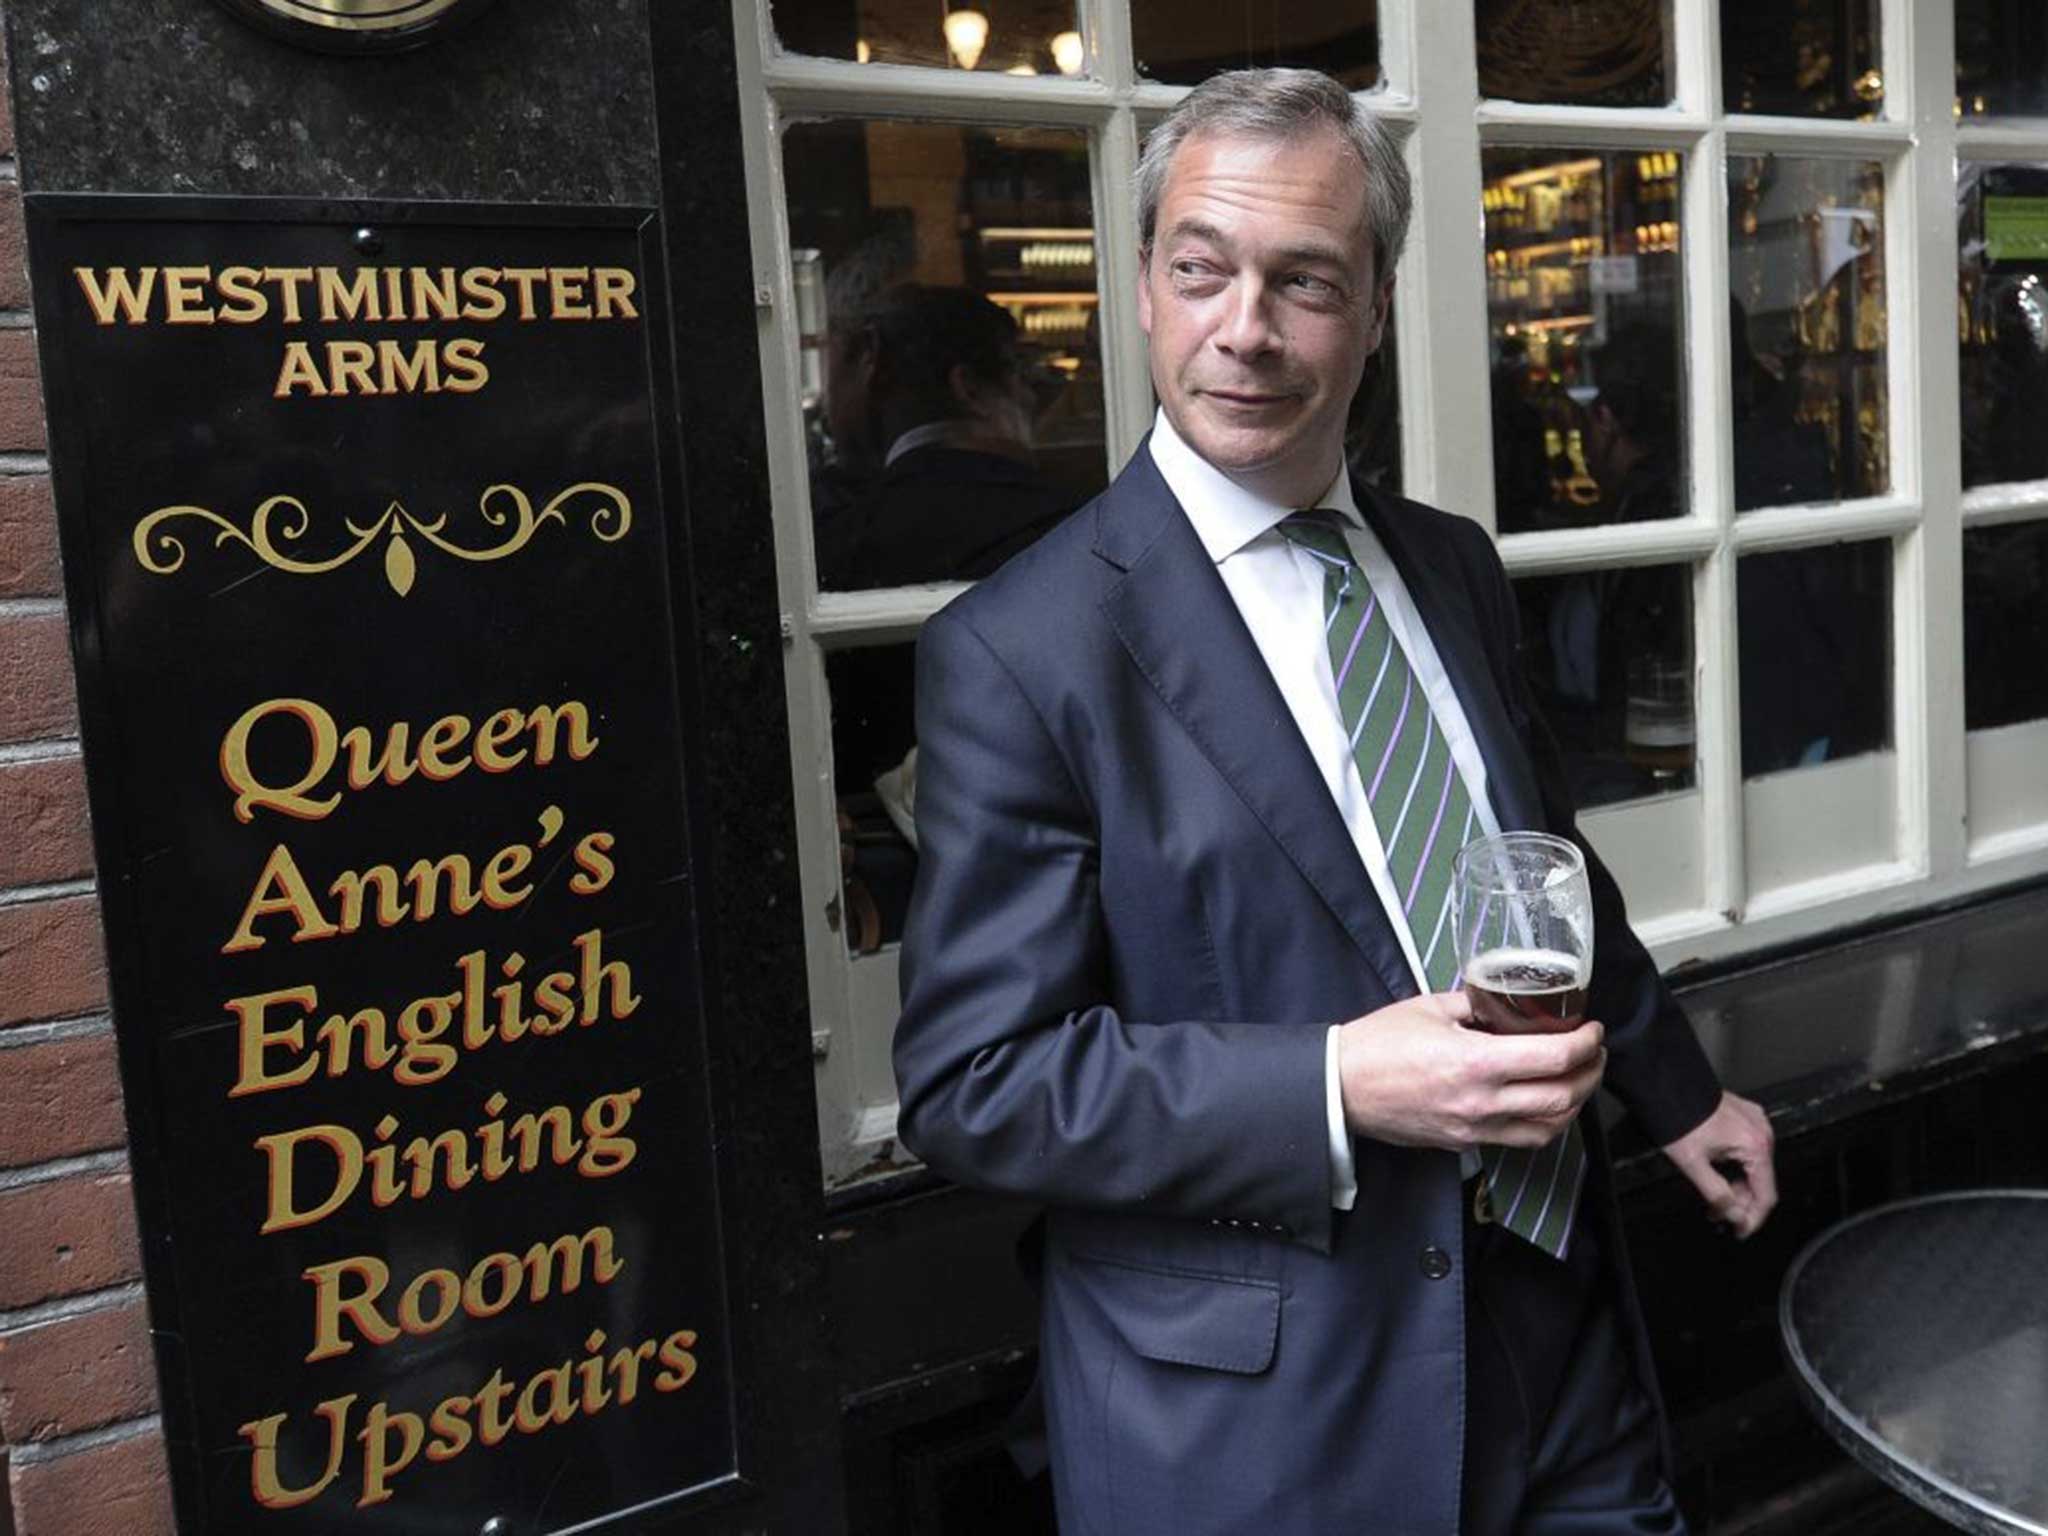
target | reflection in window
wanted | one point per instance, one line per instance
(1813, 631)
(1802, 58)
(2005, 625)
(2002, 309)
(1183, 44)
(2001, 58)
(1807, 329)
(1017, 37)
(1583, 323)
(952, 368)
(874, 773)
(1609, 655)
(1596, 53)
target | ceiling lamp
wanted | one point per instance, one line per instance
(1068, 53)
(966, 36)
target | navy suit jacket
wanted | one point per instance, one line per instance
(1137, 911)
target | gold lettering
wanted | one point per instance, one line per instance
(352, 885)
(331, 1305)
(280, 888)
(680, 1362)
(265, 1486)
(381, 1462)
(594, 867)
(350, 361)
(481, 298)
(288, 281)
(524, 279)
(298, 369)
(491, 738)
(242, 301)
(256, 1038)
(352, 298)
(292, 799)
(615, 293)
(184, 288)
(567, 298)
(466, 371)
(442, 736)
(435, 292)
(118, 291)
(411, 373)
(280, 1149)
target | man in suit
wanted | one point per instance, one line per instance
(1175, 962)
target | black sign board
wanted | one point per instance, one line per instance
(363, 523)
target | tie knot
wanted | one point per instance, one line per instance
(1317, 530)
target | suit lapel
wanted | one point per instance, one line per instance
(1176, 619)
(1451, 618)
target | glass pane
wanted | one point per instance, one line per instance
(873, 732)
(1802, 58)
(2001, 58)
(1806, 314)
(2002, 312)
(1583, 324)
(952, 369)
(1018, 37)
(1814, 633)
(1609, 654)
(2005, 625)
(1183, 44)
(1596, 53)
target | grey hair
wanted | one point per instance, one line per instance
(1284, 105)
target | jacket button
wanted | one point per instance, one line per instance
(1435, 1262)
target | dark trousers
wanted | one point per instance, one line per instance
(1559, 1439)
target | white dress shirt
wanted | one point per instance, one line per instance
(1278, 589)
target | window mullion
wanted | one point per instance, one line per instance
(1127, 386)
(1696, 36)
(805, 696)
(1447, 455)
(1717, 670)
(1106, 24)
(1927, 434)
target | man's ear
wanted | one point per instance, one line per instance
(864, 354)
(1144, 289)
(1382, 306)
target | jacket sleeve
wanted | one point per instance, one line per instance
(1655, 1065)
(1014, 1072)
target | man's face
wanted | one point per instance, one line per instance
(1262, 305)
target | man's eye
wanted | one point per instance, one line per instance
(1188, 266)
(1315, 287)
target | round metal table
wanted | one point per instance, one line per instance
(1918, 1334)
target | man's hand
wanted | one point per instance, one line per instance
(1412, 1074)
(1737, 1132)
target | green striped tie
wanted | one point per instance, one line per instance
(1424, 814)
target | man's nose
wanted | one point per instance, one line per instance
(1247, 329)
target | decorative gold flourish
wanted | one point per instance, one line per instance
(281, 521)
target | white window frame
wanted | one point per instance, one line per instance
(1862, 838)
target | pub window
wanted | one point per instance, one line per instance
(1668, 326)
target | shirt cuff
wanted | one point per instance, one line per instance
(1343, 1172)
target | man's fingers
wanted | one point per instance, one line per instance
(1457, 1006)
(1723, 1202)
(1551, 1100)
(1522, 1058)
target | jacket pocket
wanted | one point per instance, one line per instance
(1177, 1317)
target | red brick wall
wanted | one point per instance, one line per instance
(80, 1449)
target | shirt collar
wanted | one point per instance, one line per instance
(1225, 515)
